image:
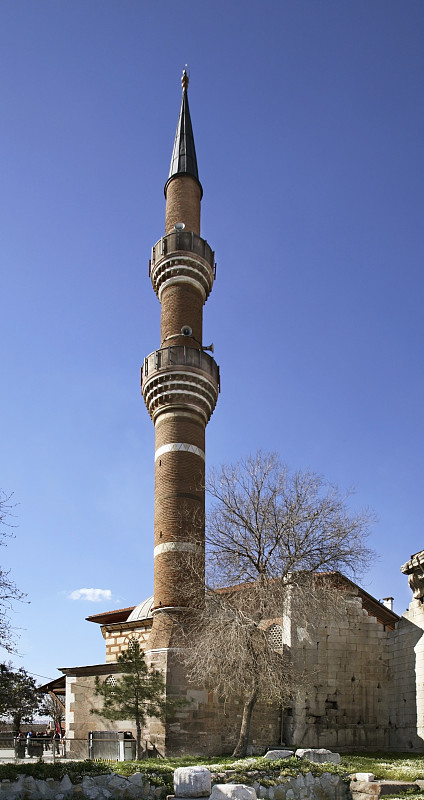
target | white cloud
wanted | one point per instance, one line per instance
(92, 595)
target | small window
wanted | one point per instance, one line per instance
(275, 637)
(131, 641)
(111, 681)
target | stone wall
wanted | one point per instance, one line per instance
(303, 787)
(406, 706)
(206, 725)
(80, 699)
(366, 688)
(347, 703)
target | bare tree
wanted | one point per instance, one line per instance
(9, 592)
(277, 541)
(54, 708)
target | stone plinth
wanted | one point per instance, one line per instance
(274, 755)
(192, 782)
(318, 755)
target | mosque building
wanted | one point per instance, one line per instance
(369, 687)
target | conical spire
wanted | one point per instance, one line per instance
(183, 159)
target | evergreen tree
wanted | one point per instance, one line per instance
(137, 695)
(19, 695)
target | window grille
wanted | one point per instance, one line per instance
(275, 637)
(111, 680)
(131, 641)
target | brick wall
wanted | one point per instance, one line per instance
(116, 637)
(183, 196)
(406, 707)
(181, 305)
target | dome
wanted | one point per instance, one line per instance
(142, 611)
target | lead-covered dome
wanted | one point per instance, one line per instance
(142, 611)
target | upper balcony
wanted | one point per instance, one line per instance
(182, 256)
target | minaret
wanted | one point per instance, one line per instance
(180, 383)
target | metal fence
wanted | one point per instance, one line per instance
(35, 748)
(107, 745)
(112, 745)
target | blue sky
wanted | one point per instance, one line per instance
(308, 119)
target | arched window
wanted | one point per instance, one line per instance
(130, 641)
(111, 681)
(275, 637)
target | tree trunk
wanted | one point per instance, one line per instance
(240, 749)
(139, 748)
(17, 723)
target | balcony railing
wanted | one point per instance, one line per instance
(179, 356)
(185, 241)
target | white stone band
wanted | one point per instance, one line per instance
(172, 547)
(179, 447)
(178, 281)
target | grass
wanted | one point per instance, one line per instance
(159, 772)
(387, 766)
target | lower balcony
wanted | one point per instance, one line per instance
(180, 377)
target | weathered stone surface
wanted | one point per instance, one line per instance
(367, 790)
(91, 789)
(365, 787)
(66, 785)
(137, 778)
(318, 755)
(116, 787)
(232, 791)
(393, 787)
(361, 795)
(117, 782)
(44, 789)
(365, 776)
(192, 782)
(274, 755)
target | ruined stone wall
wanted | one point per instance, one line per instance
(302, 787)
(206, 725)
(366, 689)
(346, 705)
(406, 704)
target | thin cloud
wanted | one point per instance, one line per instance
(92, 595)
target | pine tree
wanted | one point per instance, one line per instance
(137, 695)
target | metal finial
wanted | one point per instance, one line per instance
(184, 80)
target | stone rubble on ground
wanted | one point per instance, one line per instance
(232, 791)
(318, 755)
(274, 755)
(192, 782)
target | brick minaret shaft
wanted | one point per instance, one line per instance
(180, 381)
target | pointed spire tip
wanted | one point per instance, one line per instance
(183, 161)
